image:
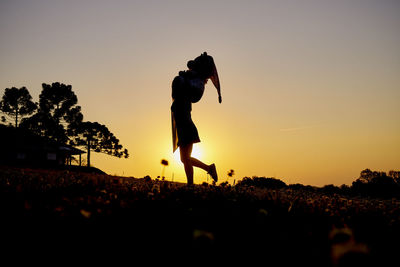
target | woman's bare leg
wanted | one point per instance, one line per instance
(197, 163)
(189, 162)
(185, 152)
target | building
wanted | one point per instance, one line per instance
(21, 147)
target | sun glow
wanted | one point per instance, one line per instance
(197, 153)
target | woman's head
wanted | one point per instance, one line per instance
(203, 65)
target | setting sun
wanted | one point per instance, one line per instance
(197, 153)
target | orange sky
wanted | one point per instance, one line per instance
(310, 88)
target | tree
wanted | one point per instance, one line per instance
(16, 104)
(366, 176)
(261, 182)
(42, 125)
(58, 113)
(96, 137)
(395, 175)
(376, 183)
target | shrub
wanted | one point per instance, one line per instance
(262, 182)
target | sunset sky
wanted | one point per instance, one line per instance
(310, 89)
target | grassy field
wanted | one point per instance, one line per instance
(71, 215)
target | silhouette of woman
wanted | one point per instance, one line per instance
(188, 88)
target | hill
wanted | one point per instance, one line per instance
(96, 215)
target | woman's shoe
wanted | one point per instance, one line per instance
(213, 172)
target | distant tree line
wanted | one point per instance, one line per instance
(262, 182)
(369, 184)
(58, 117)
(374, 183)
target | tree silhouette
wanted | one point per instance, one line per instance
(395, 175)
(17, 103)
(96, 137)
(261, 182)
(57, 114)
(376, 183)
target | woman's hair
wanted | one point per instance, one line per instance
(203, 64)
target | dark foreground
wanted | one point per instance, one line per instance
(59, 216)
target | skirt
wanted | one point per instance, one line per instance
(184, 132)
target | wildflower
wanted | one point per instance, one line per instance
(86, 213)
